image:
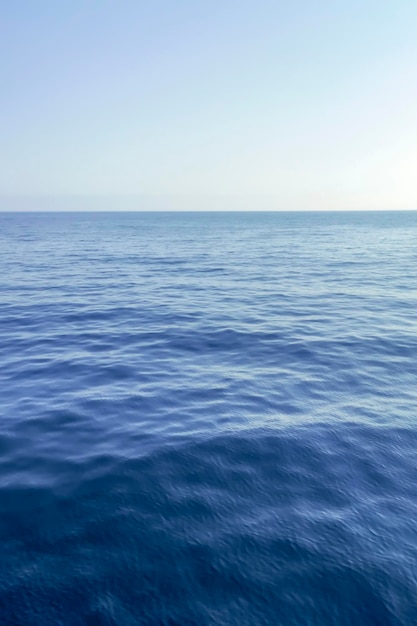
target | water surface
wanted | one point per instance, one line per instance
(208, 419)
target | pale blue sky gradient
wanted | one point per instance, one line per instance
(185, 104)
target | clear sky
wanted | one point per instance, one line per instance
(302, 104)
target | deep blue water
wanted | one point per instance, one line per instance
(208, 419)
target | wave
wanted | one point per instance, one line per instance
(236, 529)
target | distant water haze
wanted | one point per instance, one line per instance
(192, 203)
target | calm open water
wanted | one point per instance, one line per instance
(208, 419)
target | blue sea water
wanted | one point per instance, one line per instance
(208, 419)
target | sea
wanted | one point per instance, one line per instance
(208, 419)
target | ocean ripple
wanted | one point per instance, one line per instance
(208, 419)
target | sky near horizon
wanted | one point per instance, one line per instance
(288, 105)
